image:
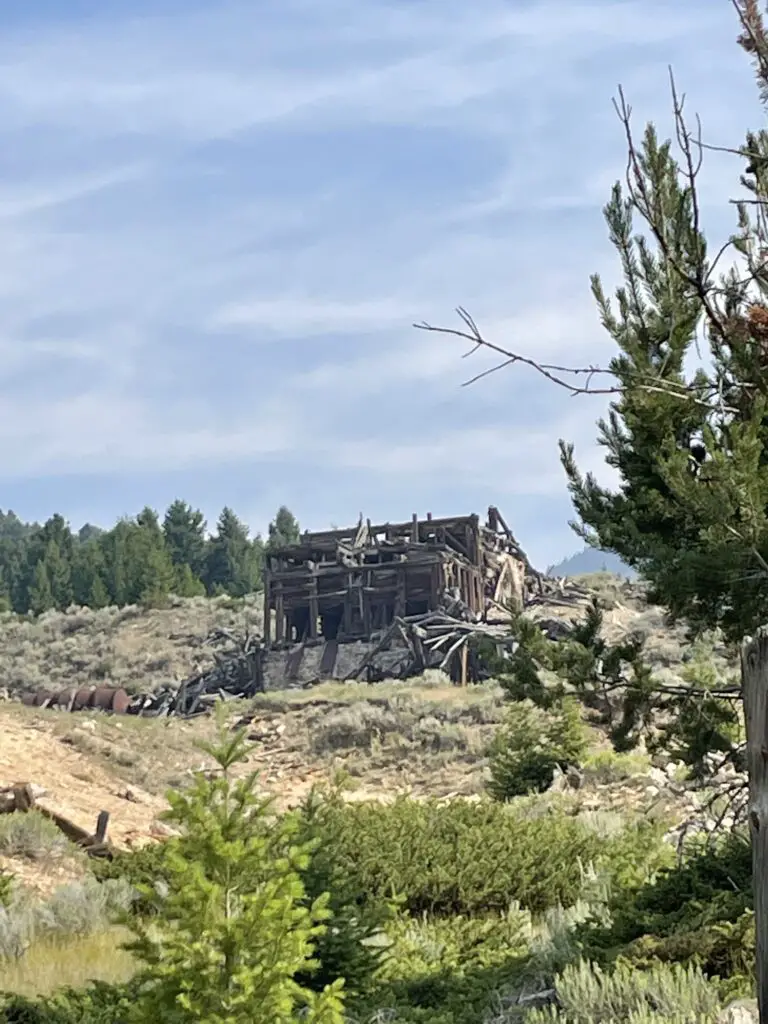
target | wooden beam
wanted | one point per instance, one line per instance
(754, 681)
(279, 614)
(102, 823)
(313, 609)
(365, 597)
(347, 621)
(435, 588)
(267, 628)
(402, 591)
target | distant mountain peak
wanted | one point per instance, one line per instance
(591, 560)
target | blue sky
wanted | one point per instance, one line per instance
(218, 222)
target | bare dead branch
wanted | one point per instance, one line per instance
(556, 374)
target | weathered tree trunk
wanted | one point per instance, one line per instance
(754, 677)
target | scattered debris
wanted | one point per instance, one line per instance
(434, 640)
(236, 672)
(369, 602)
(23, 797)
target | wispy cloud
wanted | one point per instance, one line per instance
(219, 222)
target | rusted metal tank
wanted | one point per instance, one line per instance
(110, 698)
(121, 702)
(101, 698)
(82, 698)
(64, 699)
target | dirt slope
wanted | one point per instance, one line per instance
(423, 737)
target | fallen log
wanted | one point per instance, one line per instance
(21, 798)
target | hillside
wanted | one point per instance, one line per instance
(422, 738)
(128, 647)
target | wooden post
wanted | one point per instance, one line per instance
(347, 622)
(754, 682)
(464, 653)
(102, 823)
(402, 595)
(279, 614)
(366, 598)
(267, 609)
(313, 613)
(434, 595)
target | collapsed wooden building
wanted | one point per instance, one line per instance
(342, 589)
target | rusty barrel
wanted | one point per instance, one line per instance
(82, 698)
(110, 698)
(64, 698)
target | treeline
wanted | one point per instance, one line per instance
(141, 560)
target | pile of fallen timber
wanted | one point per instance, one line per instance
(235, 673)
(451, 639)
(558, 591)
(433, 640)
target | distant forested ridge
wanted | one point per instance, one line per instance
(140, 560)
(591, 560)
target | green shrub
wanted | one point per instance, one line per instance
(663, 995)
(696, 913)
(532, 744)
(143, 868)
(233, 929)
(461, 857)
(610, 766)
(350, 946)
(97, 1004)
(6, 888)
(82, 907)
(446, 970)
(346, 949)
(724, 950)
(710, 885)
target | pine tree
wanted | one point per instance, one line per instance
(114, 546)
(233, 931)
(283, 530)
(232, 560)
(57, 529)
(184, 531)
(98, 595)
(152, 572)
(138, 566)
(88, 573)
(691, 450)
(13, 560)
(186, 584)
(88, 532)
(59, 574)
(40, 594)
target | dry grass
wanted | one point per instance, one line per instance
(32, 835)
(125, 647)
(143, 649)
(75, 910)
(52, 964)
